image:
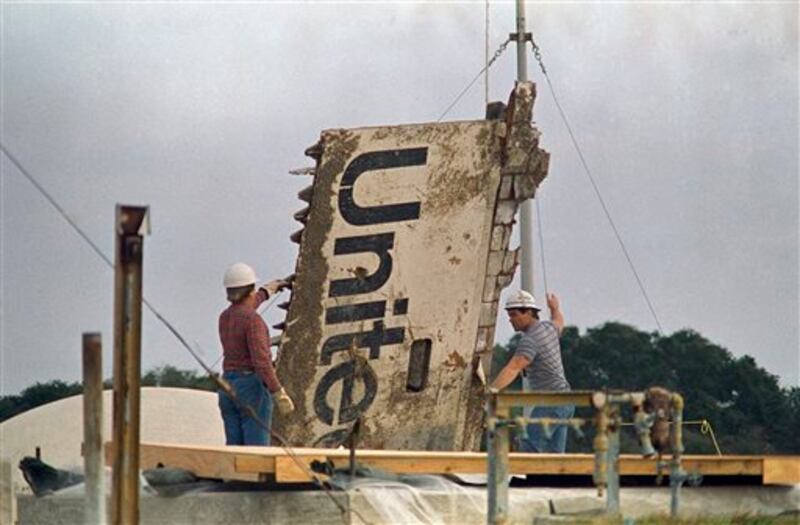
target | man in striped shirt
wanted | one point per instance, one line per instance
(538, 357)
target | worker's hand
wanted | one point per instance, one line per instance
(285, 403)
(274, 287)
(553, 302)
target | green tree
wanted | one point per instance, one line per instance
(169, 376)
(35, 395)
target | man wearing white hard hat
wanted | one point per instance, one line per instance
(538, 358)
(247, 362)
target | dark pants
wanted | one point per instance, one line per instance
(241, 429)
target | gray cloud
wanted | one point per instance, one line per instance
(688, 115)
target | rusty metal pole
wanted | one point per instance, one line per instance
(131, 225)
(7, 496)
(95, 506)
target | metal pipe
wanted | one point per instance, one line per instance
(579, 398)
(612, 460)
(522, 57)
(606, 442)
(131, 225)
(95, 502)
(497, 445)
(526, 208)
(551, 421)
(600, 446)
(676, 476)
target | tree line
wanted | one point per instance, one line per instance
(745, 405)
(43, 393)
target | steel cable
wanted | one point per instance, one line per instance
(537, 200)
(475, 79)
(220, 382)
(538, 56)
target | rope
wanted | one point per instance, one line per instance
(705, 429)
(538, 55)
(221, 383)
(475, 79)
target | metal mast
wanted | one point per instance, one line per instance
(526, 213)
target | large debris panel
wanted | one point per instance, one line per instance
(402, 259)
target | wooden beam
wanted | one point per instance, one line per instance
(781, 470)
(249, 463)
(287, 469)
(205, 462)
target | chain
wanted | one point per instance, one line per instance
(491, 61)
(497, 53)
(537, 54)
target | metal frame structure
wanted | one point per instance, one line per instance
(608, 421)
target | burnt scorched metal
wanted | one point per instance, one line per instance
(402, 258)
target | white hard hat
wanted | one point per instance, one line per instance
(238, 275)
(521, 299)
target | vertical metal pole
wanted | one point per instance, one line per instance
(526, 211)
(522, 57)
(612, 464)
(7, 495)
(131, 225)
(486, 58)
(497, 446)
(95, 508)
(676, 474)
(600, 447)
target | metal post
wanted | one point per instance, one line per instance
(526, 208)
(612, 462)
(522, 57)
(600, 446)
(7, 496)
(95, 512)
(486, 58)
(130, 227)
(497, 446)
(676, 475)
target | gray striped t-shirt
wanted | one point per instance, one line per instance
(539, 343)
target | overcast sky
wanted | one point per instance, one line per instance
(687, 114)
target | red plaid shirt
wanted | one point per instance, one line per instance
(245, 342)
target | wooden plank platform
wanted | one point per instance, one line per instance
(250, 463)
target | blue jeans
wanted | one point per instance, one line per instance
(241, 429)
(537, 441)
